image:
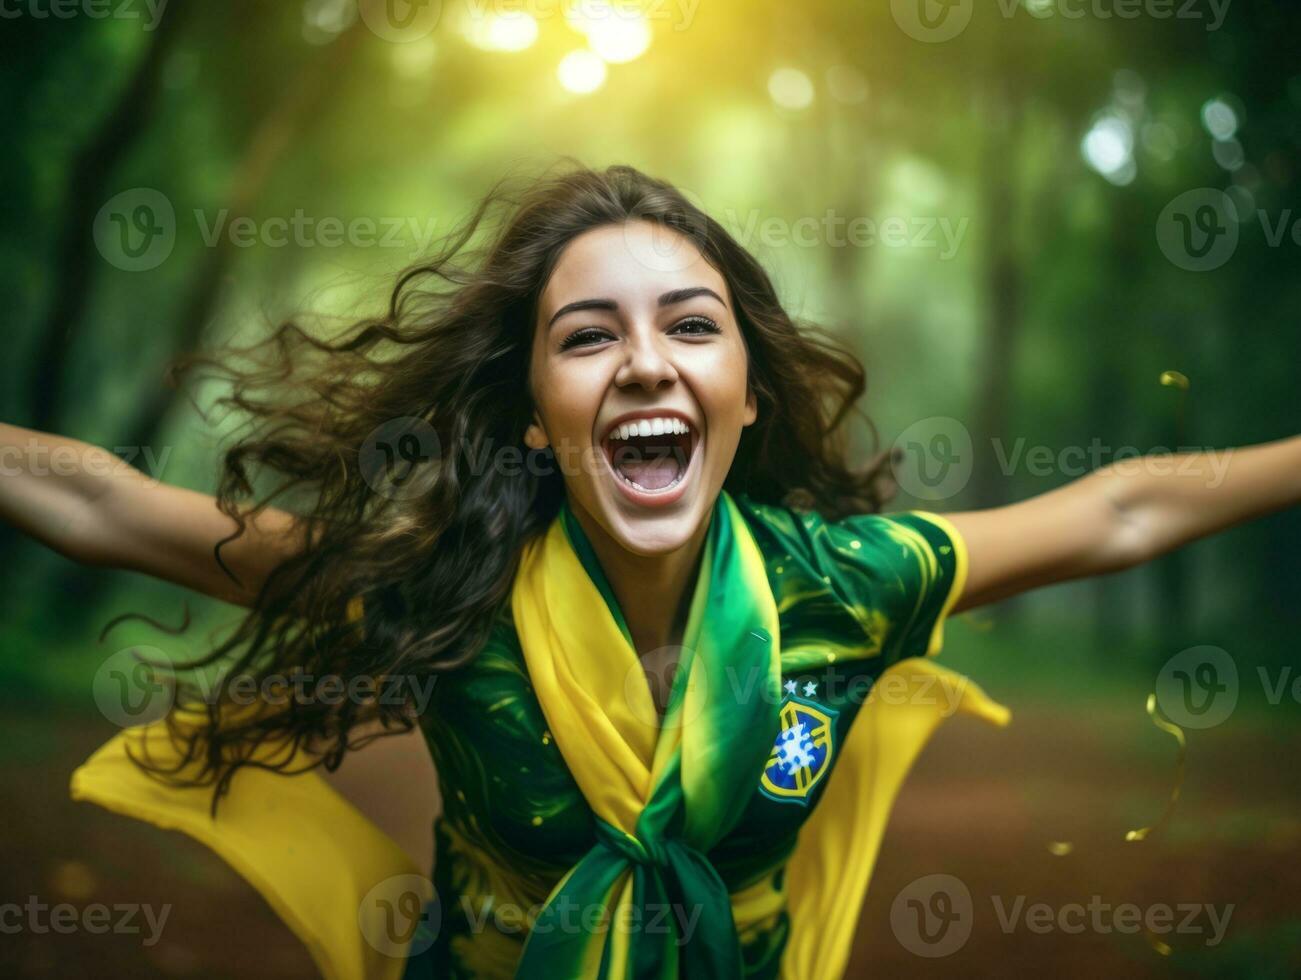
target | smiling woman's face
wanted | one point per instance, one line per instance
(638, 372)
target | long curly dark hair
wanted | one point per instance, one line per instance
(378, 432)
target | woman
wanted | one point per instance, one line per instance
(592, 479)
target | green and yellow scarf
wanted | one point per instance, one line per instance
(662, 796)
(661, 791)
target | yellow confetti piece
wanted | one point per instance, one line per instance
(1060, 848)
(1180, 382)
(1162, 948)
(1166, 725)
(1174, 379)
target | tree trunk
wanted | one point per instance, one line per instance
(88, 186)
(1004, 295)
(273, 136)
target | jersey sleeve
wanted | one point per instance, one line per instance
(900, 574)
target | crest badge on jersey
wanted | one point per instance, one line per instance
(801, 755)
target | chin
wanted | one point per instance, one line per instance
(655, 534)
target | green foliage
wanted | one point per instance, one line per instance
(260, 112)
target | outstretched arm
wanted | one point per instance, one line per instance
(90, 506)
(1122, 515)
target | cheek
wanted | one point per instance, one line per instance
(722, 381)
(570, 399)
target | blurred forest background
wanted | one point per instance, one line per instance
(1027, 178)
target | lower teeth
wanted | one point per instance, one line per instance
(633, 483)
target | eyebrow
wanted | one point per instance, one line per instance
(670, 298)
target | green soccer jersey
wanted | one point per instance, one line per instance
(853, 596)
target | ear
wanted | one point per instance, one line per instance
(751, 406)
(535, 437)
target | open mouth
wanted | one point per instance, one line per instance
(650, 455)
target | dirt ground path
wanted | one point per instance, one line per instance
(981, 808)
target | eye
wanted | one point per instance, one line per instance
(697, 325)
(584, 337)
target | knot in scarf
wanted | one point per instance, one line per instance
(652, 853)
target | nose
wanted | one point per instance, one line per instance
(646, 362)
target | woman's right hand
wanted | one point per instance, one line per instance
(90, 506)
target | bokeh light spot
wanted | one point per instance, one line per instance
(790, 88)
(581, 72)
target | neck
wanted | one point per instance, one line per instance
(654, 592)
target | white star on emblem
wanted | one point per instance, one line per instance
(810, 689)
(790, 687)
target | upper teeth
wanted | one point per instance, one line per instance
(649, 427)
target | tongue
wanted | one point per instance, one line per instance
(651, 474)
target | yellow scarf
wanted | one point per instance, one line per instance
(343, 886)
(593, 692)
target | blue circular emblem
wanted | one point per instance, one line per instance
(801, 754)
